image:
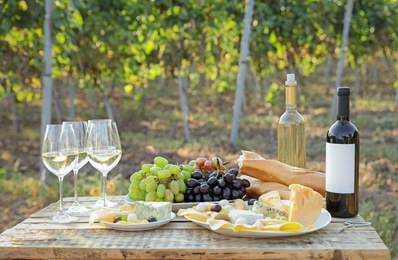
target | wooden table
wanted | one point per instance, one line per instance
(179, 239)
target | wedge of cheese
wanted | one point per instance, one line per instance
(273, 199)
(305, 204)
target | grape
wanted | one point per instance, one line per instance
(233, 171)
(217, 190)
(200, 161)
(235, 194)
(187, 174)
(132, 195)
(167, 166)
(198, 198)
(226, 193)
(151, 196)
(180, 176)
(175, 169)
(164, 174)
(168, 195)
(183, 186)
(191, 183)
(216, 208)
(136, 175)
(213, 174)
(196, 190)
(135, 184)
(161, 190)
(228, 178)
(204, 188)
(197, 174)
(154, 170)
(190, 198)
(245, 183)
(212, 181)
(189, 192)
(236, 185)
(179, 197)
(207, 165)
(216, 162)
(142, 184)
(188, 168)
(149, 179)
(251, 201)
(146, 167)
(160, 161)
(174, 187)
(221, 183)
(141, 195)
(151, 187)
(207, 197)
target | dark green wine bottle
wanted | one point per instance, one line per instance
(342, 161)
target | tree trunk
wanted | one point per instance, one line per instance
(340, 64)
(160, 82)
(183, 93)
(14, 115)
(46, 81)
(59, 111)
(240, 87)
(90, 100)
(357, 82)
(328, 73)
(72, 111)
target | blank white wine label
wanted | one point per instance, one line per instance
(340, 168)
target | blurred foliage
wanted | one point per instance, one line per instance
(126, 43)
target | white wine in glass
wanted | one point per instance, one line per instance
(104, 153)
(60, 154)
(80, 129)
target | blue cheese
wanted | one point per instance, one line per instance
(267, 210)
(159, 210)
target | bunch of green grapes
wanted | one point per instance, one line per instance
(160, 181)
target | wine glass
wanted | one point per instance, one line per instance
(80, 129)
(60, 154)
(104, 153)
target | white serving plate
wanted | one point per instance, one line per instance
(322, 221)
(138, 227)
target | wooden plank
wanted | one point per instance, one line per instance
(34, 238)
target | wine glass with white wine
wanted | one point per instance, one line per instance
(60, 154)
(80, 129)
(104, 153)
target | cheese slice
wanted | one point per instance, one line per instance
(273, 199)
(305, 204)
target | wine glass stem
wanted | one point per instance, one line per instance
(104, 176)
(61, 203)
(75, 172)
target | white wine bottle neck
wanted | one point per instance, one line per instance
(291, 96)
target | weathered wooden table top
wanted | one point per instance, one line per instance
(179, 239)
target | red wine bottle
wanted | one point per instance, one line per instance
(342, 161)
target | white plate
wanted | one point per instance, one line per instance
(174, 206)
(138, 227)
(322, 221)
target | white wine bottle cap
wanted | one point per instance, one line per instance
(291, 79)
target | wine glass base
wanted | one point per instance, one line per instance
(77, 208)
(99, 204)
(62, 218)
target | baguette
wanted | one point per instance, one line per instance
(259, 187)
(254, 165)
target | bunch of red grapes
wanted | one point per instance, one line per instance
(212, 181)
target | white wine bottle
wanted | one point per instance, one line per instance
(291, 129)
(342, 161)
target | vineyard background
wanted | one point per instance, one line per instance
(166, 72)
